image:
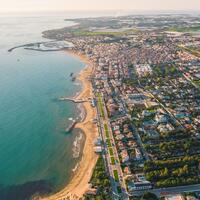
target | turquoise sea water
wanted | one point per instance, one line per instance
(35, 151)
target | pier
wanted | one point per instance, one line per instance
(71, 126)
(73, 100)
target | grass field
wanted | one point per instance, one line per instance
(101, 106)
(109, 143)
(112, 160)
(106, 130)
(111, 151)
(116, 175)
(184, 29)
(195, 52)
(84, 32)
(119, 189)
(197, 83)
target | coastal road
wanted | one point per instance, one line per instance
(107, 158)
(172, 190)
(112, 156)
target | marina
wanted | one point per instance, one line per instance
(44, 46)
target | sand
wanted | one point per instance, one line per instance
(79, 182)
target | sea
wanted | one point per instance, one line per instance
(37, 155)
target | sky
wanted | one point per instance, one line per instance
(86, 5)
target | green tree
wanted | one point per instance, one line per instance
(149, 196)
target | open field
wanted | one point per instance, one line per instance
(184, 29)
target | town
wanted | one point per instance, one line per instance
(146, 89)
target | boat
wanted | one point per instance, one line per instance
(71, 74)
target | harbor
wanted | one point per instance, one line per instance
(45, 46)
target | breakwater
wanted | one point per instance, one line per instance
(74, 100)
(45, 46)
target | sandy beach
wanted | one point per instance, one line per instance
(79, 182)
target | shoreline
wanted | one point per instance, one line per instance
(79, 181)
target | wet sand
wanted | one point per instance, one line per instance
(79, 182)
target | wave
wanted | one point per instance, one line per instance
(76, 149)
(75, 168)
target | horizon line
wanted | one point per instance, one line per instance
(100, 10)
